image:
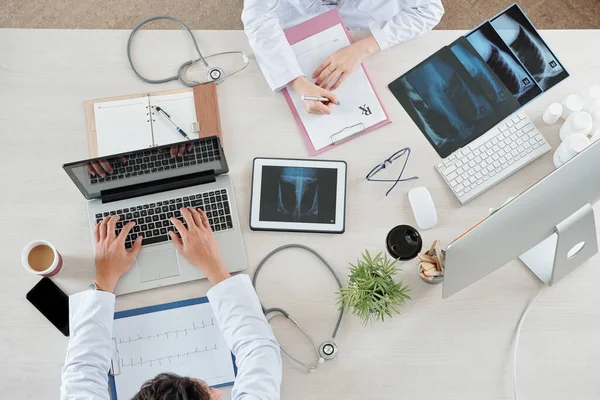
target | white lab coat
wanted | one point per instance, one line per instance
(238, 313)
(390, 22)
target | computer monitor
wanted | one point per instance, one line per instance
(550, 227)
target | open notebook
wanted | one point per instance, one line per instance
(360, 109)
(131, 124)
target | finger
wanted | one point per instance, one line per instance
(331, 79)
(204, 217)
(320, 108)
(98, 168)
(331, 96)
(178, 225)
(176, 240)
(187, 216)
(97, 232)
(91, 169)
(106, 165)
(323, 75)
(181, 151)
(341, 79)
(137, 246)
(197, 218)
(174, 151)
(103, 226)
(112, 227)
(126, 229)
(189, 148)
(123, 160)
(322, 67)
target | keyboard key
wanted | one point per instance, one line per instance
(156, 232)
(99, 216)
(223, 227)
(153, 240)
(155, 217)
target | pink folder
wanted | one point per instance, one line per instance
(310, 28)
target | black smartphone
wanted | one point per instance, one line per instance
(52, 302)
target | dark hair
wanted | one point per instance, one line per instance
(172, 387)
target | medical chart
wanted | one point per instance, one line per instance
(359, 107)
(186, 341)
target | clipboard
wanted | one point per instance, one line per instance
(115, 368)
(309, 28)
(206, 107)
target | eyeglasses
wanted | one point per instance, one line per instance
(384, 164)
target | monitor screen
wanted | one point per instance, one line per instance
(106, 174)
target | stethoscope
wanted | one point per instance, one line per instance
(215, 74)
(328, 349)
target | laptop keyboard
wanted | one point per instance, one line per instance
(156, 160)
(152, 219)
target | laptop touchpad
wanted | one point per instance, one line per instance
(156, 264)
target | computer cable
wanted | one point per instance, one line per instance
(517, 336)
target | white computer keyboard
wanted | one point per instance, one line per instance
(492, 157)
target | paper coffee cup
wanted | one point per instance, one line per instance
(40, 257)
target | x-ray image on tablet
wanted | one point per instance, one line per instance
(490, 46)
(298, 195)
(515, 30)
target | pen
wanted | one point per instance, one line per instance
(316, 98)
(168, 117)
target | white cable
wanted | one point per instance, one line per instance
(517, 335)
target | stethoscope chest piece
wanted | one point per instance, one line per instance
(216, 75)
(328, 350)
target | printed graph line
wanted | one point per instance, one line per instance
(170, 334)
(162, 360)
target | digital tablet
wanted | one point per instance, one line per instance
(298, 195)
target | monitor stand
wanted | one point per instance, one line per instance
(573, 242)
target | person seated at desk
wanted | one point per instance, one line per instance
(390, 22)
(233, 300)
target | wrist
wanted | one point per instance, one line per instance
(295, 83)
(105, 284)
(218, 275)
(369, 46)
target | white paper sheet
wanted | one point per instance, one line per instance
(122, 126)
(181, 107)
(355, 92)
(186, 341)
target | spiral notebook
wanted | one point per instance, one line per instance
(129, 123)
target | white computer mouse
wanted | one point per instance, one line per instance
(423, 207)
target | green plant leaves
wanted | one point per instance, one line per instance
(371, 293)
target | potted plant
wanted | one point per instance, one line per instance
(372, 293)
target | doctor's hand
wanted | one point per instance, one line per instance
(340, 64)
(112, 259)
(301, 86)
(198, 245)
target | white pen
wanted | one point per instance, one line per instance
(317, 98)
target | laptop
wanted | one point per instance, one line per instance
(149, 186)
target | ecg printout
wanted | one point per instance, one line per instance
(186, 341)
(358, 101)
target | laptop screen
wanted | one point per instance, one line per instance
(96, 176)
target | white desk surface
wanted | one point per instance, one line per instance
(458, 348)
